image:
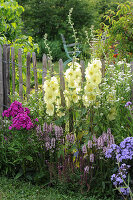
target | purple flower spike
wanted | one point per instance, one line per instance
(84, 149)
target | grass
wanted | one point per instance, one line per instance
(55, 67)
(11, 189)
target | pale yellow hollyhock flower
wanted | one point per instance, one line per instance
(54, 89)
(75, 97)
(77, 74)
(78, 87)
(46, 85)
(89, 73)
(54, 80)
(72, 83)
(50, 109)
(89, 87)
(75, 64)
(49, 96)
(69, 74)
(86, 101)
(97, 64)
(66, 92)
(91, 96)
(96, 79)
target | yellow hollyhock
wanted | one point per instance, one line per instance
(49, 96)
(96, 79)
(50, 109)
(89, 87)
(97, 64)
(91, 96)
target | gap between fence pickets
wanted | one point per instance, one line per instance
(5, 74)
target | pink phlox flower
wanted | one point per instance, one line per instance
(36, 119)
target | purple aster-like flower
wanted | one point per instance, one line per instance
(128, 104)
(124, 191)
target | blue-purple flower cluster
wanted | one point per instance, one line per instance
(119, 179)
(122, 153)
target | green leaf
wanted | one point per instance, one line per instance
(29, 158)
(18, 175)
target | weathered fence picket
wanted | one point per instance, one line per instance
(28, 75)
(20, 74)
(1, 83)
(13, 70)
(6, 75)
(35, 71)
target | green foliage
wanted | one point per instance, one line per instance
(10, 20)
(17, 156)
(118, 32)
(56, 48)
(51, 16)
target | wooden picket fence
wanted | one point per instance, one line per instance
(8, 66)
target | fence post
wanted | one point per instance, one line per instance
(28, 75)
(82, 70)
(6, 75)
(50, 65)
(20, 74)
(1, 83)
(13, 70)
(132, 82)
(44, 72)
(35, 71)
(62, 82)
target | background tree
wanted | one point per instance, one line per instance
(10, 20)
(51, 17)
(118, 28)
